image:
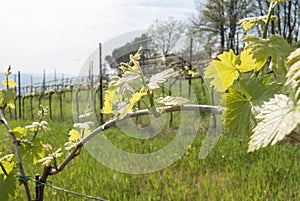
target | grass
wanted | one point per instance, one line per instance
(228, 173)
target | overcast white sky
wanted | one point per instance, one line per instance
(48, 34)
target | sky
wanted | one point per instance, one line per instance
(61, 34)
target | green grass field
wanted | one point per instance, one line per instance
(228, 173)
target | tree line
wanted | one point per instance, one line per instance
(217, 21)
(213, 27)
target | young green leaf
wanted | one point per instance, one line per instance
(6, 165)
(249, 22)
(52, 156)
(172, 101)
(238, 116)
(9, 83)
(109, 97)
(19, 132)
(32, 151)
(226, 70)
(240, 103)
(7, 97)
(293, 75)
(74, 135)
(247, 63)
(135, 98)
(277, 118)
(275, 47)
(7, 178)
(160, 78)
(8, 73)
(223, 71)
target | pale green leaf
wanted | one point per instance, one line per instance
(45, 160)
(19, 132)
(57, 153)
(135, 98)
(277, 118)
(7, 158)
(240, 103)
(48, 159)
(127, 85)
(9, 83)
(32, 151)
(293, 75)
(249, 22)
(108, 101)
(172, 101)
(160, 78)
(69, 145)
(6, 165)
(225, 70)
(247, 63)
(11, 104)
(8, 97)
(131, 82)
(74, 135)
(275, 47)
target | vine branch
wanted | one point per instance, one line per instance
(110, 123)
(271, 10)
(23, 179)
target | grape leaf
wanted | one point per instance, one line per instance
(109, 97)
(160, 78)
(8, 73)
(7, 97)
(74, 135)
(50, 157)
(275, 47)
(247, 62)
(9, 83)
(293, 75)
(7, 177)
(19, 132)
(135, 98)
(249, 22)
(238, 116)
(32, 151)
(172, 101)
(240, 103)
(122, 88)
(6, 165)
(277, 118)
(226, 70)
(8, 187)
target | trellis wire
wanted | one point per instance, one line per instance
(67, 191)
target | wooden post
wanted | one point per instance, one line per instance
(37, 187)
(19, 95)
(100, 84)
(190, 66)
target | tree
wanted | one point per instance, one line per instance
(287, 24)
(121, 54)
(165, 33)
(219, 18)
